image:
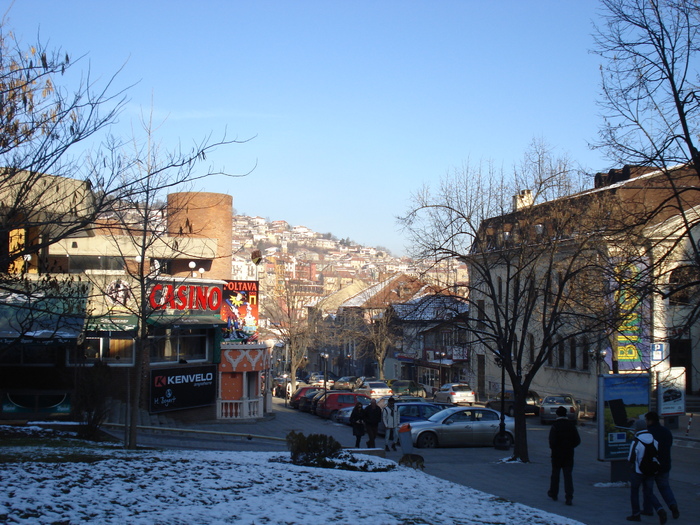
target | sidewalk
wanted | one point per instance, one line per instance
(597, 501)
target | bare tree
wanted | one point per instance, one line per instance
(537, 270)
(286, 310)
(41, 123)
(651, 118)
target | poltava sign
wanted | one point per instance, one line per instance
(182, 387)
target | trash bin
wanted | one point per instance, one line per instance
(405, 438)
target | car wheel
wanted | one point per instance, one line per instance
(511, 411)
(334, 416)
(507, 440)
(427, 440)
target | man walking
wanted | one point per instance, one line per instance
(664, 438)
(373, 415)
(640, 476)
(391, 419)
(563, 439)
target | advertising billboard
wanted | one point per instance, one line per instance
(239, 310)
(182, 387)
(671, 392)
(622, 399)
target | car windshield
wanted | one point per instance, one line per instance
(378, 385)
(461, 388)
(439, 416)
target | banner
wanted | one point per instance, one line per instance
(622, 399)
(182, 387)
(240, 311)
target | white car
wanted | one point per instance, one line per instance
(455, 393)
(374, 389)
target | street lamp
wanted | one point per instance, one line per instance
(501, 442)
(349, 361)
(441, 355)
(325, 369)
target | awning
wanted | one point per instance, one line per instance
(165, 320)
(48, 314)
(113, 323)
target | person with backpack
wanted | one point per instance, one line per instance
(563, 439)
(664, 438)
(644, 461)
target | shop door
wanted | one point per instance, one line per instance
(681, 354)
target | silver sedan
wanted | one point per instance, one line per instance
(461, 427)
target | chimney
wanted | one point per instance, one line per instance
(522, 200)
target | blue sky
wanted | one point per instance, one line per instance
(351, 106)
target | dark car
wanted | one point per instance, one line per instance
(305, 401)
(299, 393)
(404, 387)
(532, 403)
(329, 404)
(345, 383)
(410, 412)
(314, 400)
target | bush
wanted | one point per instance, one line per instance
(312, 450)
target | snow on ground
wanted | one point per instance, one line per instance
(74, 485)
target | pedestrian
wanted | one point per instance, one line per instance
(642, 438)
(664, 438)
(357, 423)
(372, 417)
(563, 439)
(391, 420)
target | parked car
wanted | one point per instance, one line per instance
(375, 389)
(365, 379)
(382, 401)
(297, 395)
(317, 379)
(548, 408)
(316, 399)
(345, 383)
(412, 411)
(329, 404)
(306, 400)
(455, 393)
(406, 387)
(532, 403)
(460, 427)
(343, 415)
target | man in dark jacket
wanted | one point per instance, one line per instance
(665, 440)
(373, 415)
(563, 439)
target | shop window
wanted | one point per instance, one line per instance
(33, 354)
(112, 351)
(172, 345)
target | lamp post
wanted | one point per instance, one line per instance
(325, 369)
(441, 355)
(501, 442)
(349, 361)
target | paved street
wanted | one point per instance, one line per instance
(596, 501)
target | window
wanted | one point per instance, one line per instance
(170, 345)
(561, 353)
(585, 364)
(531, 341)
(112, 351)
(572, 353)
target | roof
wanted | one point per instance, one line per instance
(431, 308)
(36, 311)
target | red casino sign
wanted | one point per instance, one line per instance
(185, 297)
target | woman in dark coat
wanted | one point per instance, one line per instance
(358, 423)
